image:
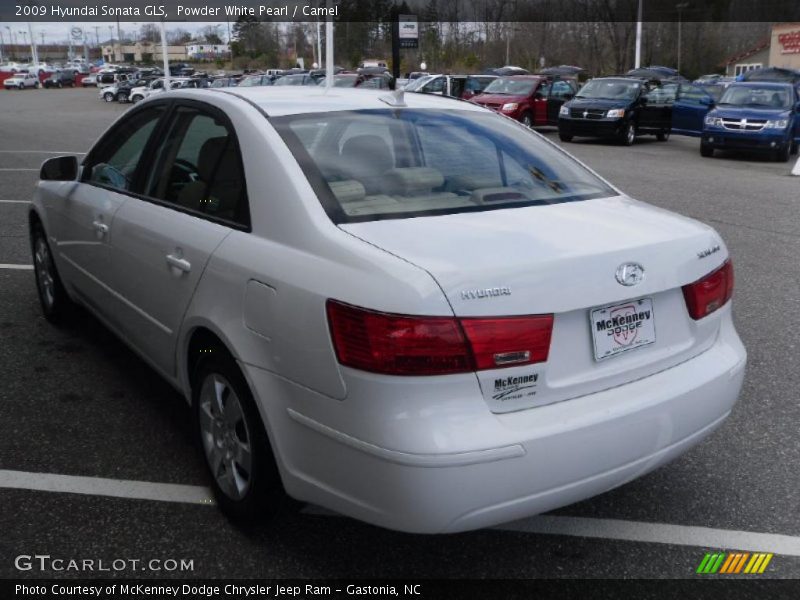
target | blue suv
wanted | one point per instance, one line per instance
(757, 116)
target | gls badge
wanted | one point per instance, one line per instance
(630, 274)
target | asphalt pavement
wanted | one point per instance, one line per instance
(76, 401)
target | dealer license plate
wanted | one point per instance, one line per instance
(622, 327)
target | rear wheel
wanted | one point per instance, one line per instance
(231, 434)
(55, 302)
(706, 150)
(564, 137)
(628, 136)
(662, 136)
(122, 98)
(108, 97)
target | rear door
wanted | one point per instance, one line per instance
(539, 103)
(656, 112)
(691, 106)
(193, 196)
(561, 91)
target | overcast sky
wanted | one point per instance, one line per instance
(59, 32)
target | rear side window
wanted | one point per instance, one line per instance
(389, 164)
(113, 164)
(199, 167)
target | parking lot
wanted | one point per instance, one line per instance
(77, 402)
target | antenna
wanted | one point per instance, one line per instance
(395, 98)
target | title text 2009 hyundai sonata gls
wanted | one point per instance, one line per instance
(409, 310)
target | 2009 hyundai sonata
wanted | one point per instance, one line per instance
(409, 310)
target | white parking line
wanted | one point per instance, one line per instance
(15, 201)
(608, 529)
(638, 531)
(18, 169)
(17, 267)
(660, 533)
(98, 486)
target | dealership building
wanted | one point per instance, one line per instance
(780, 49)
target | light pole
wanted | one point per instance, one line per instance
(2, 46)
(638, 60)
(680, 7)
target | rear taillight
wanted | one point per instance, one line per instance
(410, 345)
(711, 292)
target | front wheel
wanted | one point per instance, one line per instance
(564, 137)
(108, 97)
(794, 148)
(628, 134)
(56, 304)
(36, 85)
(784, 154)
(706, 151)
(231, 434)
(135, 98)
(527, 120)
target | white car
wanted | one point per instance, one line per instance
(11, 67)
(21, 81)
(89, 81)
(156, 86)
(406, 309)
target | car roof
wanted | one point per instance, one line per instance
(762, 84)
(279, 101)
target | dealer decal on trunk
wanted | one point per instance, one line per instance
(514, 388)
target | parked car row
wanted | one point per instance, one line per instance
(761, 113)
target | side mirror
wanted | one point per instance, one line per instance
(60, 168)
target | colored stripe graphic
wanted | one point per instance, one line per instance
(759, 562)
(733, 563)
(711, 562)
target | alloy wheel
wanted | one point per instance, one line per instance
(225, 436)
(42, 264)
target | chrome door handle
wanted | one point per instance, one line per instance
(100, 227)
(179, 263)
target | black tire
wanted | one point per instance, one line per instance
(56, 304)
(628, 134)
(122, 98)
(662, 136)
(109, 97)
(527, 119)
(36, 85)
(136, 98)
(784, 153)
(263, 493)
(564, 137)
(706, 150)
(794, 148)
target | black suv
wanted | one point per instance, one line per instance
(59, 79)
(619, 108)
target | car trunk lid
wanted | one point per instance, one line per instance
(563, 259)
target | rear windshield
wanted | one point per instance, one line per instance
(389, 164)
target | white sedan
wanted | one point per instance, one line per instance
(20, 81)
(409, 310)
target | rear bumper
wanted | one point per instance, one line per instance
(528, 462)
(756, 142)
